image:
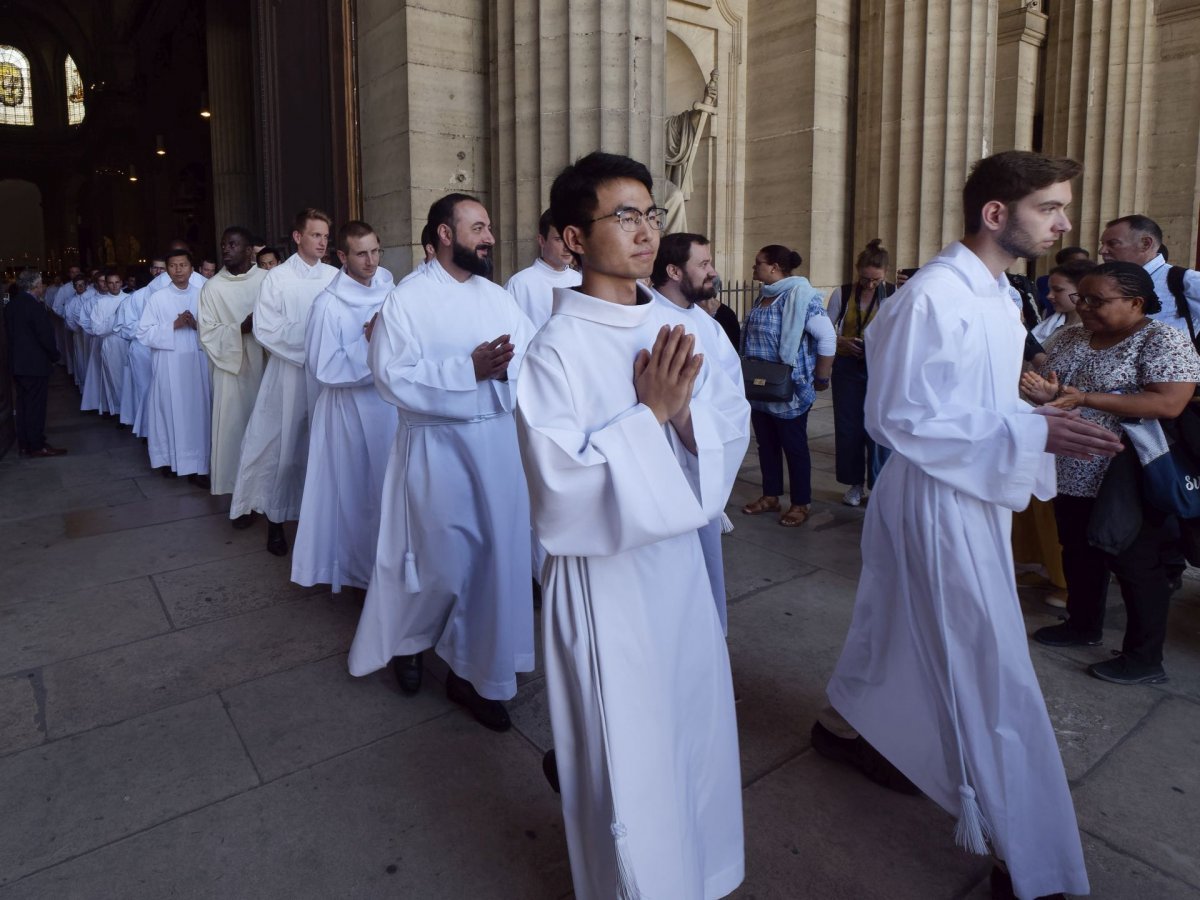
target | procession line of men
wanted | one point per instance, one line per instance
(434, 437)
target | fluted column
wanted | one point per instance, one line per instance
(236, 198)
(568, 77)
(1098, 109)
(1020, 35)
(1175, 153)
(926, 85)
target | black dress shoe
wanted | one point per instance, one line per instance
(550, 769)
(488, 713)
(1002, 886)
(241, 523)
(407, 670)
(860, 754)
(200, 481)
(56, 451)
(537, 595)
(44, 453)
(276, 539)
(1065, 636)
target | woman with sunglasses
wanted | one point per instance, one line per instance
(788, 324)
(1117, 364)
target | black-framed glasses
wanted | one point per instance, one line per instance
(1092, 301)
(631, 219)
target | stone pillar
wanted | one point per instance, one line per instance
(926, 79)
(798, 160)
(1098, 107)
(1175, 153)
(236, 198)
(1021, 33)
(567, 77)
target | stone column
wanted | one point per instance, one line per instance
(1021, 33)
(1175, 154)
(926, 80)
(567, 77)
(236, 199)
(1098, 107)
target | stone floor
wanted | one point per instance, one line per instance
(176, 720)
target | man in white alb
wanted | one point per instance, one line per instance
(935, 673)
(452, 561)
(138, 368)
(226, 318)
(352, 427)
(274, 451)
(533, 287)
(631, 443)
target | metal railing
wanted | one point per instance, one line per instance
(739, 296)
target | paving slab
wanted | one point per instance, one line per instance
(783, 644)
(749, 568)
(445, 810)
(104, 520)
(295, 719)
(1145, 796)
(814, 543)
(20, 722)
(818, 829)
(68, 797)
(170, 668)
(32, 498)
(227, 587)
(60, 626)
(530, 713)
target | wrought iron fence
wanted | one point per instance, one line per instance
(739, 296)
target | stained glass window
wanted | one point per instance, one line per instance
(16, 98)
(75, 107)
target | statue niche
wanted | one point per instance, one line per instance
(684, 131)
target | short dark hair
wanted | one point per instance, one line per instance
(674, 250)
(1009, 177)
(110, 271)
(787, 259)
(1065, 254)
(1074, 269)
(310, 212)
(265, 250)
(243, 233)
(429, 235)
(545, 223)
(573, 194)
(171, 254)
(355, 228)
(1140, 225)
(1132, 281)
(441, 212)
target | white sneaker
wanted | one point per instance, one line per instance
(854, 496)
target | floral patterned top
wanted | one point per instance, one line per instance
(1155, 354)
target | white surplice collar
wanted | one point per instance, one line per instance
(573, 302)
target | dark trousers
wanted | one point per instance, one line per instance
(31, 411)
(854, 451)
(1140, 573)
(779, 438)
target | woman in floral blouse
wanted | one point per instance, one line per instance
(1117, 364)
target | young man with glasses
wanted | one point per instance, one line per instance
(631, 443)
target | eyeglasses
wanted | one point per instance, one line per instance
(631, 219)
(1092, 301)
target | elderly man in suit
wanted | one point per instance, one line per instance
(32, 352)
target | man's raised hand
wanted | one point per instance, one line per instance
(663, 376)
(1069, 434)
(491, 358)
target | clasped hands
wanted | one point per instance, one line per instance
(663, 376)
(491, 358)
(1067, 432)
(185, 320)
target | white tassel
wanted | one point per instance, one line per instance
(412, 584)
(972, 832)
(627, 888)
(726, 524)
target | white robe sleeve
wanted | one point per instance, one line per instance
(335, 348)
(126, 322)
(157, 329)
(913, 408)
(221, 340)
(408, 379)
(273, 329)
(638, 482)
(822, 332)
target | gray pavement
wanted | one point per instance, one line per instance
(176, 720)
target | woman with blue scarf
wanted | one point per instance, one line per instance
(788, 324)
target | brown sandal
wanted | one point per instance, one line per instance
(794, 517)
(761, 505)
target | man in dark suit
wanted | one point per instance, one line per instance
(32, 353)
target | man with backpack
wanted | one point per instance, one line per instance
(1138, 239)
